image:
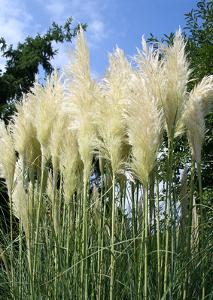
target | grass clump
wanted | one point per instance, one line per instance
(96, 216)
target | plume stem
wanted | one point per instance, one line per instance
(43, 162)
(104, 202)
(201, 226)
(84, 238)
(55, 203)
(11, 238)
(168, 212)
(158, 238)
(190, 223)
(112, 264)
(146, 212)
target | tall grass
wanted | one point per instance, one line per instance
(96, 217)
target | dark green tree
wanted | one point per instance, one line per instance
(199, 33)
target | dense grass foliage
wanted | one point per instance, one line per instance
(96, 217)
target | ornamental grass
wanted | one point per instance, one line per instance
(97, 207)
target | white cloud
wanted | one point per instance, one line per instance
(97, 30)
(85, 11)
(14, 21)
(55, 9)
(61, 58)
(92, 12)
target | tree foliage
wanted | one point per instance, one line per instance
(199, 33)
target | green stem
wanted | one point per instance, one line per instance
(101, 240)
(11, 241)
(112, 264)
(84, 242)
(78, 245)
(20, 260)
(190, 226)
(158, 241)
(146, 242)
(122, 207)
(168, 214)
(68, 212)
(134, 229)
(201, 226)
(141, 245)
(35, 259)
(55, 204)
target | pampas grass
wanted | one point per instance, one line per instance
(80, 102)
(151, 67)
(8, 157)
(22, 201)
(70, 164)
(98, 218)
(176, 72)
(111, 106)
(197, 107)
(48, 101)
(144, 129)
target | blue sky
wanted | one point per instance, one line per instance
(110, 23)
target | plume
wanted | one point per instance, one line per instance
(24, 131)
(151, 67)
(144, 119)
(176, 72)
(197, 107)
(22, 201)
(69, 164)
(48, 102)
(8, 157)
(56, 138)
(111, 105)
(80, 102)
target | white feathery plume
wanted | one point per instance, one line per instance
(22, 201)
(119, 75)
(144, 119)
(80, 102)
(24, 131)
(197, 107)
(176, 72)
(8, 156)
(19, 194)
(48, 102)
(151, 68)
(56, 138)
(204, 92)
(111, 105)
(194, 121)
(69, 164)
